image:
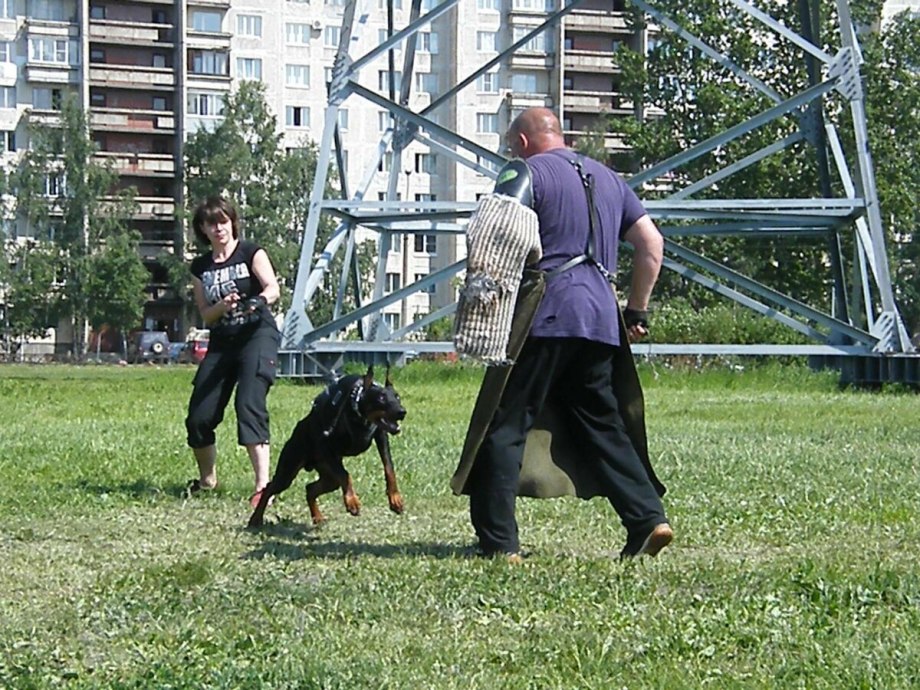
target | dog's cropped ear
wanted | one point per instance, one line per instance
(369, 377)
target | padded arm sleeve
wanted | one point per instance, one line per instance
(516, 180)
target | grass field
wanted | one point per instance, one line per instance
(794, 565)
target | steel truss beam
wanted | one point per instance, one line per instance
(877, 330)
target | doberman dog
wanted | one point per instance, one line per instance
(345, 418)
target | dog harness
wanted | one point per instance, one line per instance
(337, 400)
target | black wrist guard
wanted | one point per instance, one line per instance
(254, 303)
(635, 317)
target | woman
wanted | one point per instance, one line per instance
(233, 284)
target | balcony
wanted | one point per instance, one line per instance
(531, 60)
(125, 120)
(52, 73)
(612, 142)
(595, 22)
(132, 33)
(589, 61)
(220, 4)
(205, 40)
(521, 101)
(8, 74)
(129, 76)
(596, 102)
(44, 117)
(140, 164)
(155, 208)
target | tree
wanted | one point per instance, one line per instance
(699, 98)
(72, 206)
(115, 277)
(892, 80)
(29, 291)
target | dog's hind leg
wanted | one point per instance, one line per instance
(389, 474)
(323, 485)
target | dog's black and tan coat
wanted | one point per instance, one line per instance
(346, 417)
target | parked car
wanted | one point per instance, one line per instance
(196, 347)
(149, 346)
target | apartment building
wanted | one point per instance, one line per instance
(152, 72)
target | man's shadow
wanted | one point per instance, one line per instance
(292, 541)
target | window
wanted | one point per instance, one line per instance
(96, 55)
(343, 119)
(327, 75)
(158, 60)
(430, 290)
(158, 17)
(383, 121)
(54, 184)
(56, 50)
(249, 25)
(386, 162)
(382, 4)
(48, 9)
(524, 83)
(487, 123)
(6, 51)
(427, 42)
(297, 116)
(394, 282)
(426, 82)
(8, 97)
(392, 321)
(97, 99)
(46, 99)
(205, 104)
(297, 34)
(332, 36)
(426, 163)
(426, 244)
(533, 5)
(537, 44)
(206, 20)
(208, 62)
(487, 82)
(97, 11)
(485, 41)
(383, 79)
(487, 4)
(159, 103)
(8, 9)
(297, 75)
(335, 3)
(9, 141)
(568, 84)
(249, 68)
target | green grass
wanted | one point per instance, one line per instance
(794, 505)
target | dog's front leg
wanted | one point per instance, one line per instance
(389, 474)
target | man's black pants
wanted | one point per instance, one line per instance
(576, 373)
(251, 367)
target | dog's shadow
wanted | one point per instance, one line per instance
(291, 541)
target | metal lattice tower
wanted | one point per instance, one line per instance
(879, 352)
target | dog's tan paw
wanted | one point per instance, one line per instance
(396, 503)
(352, 505)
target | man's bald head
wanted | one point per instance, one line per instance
(534, 131)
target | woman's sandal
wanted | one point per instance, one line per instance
(194, 487)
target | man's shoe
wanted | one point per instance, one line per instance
(660, 536)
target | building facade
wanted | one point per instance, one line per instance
(152, 72)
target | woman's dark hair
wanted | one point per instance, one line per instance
(214, 209)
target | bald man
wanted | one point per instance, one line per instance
(573, 351)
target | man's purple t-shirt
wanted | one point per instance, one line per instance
(579, 302)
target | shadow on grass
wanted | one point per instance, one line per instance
(142, 488)
(294, 542)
